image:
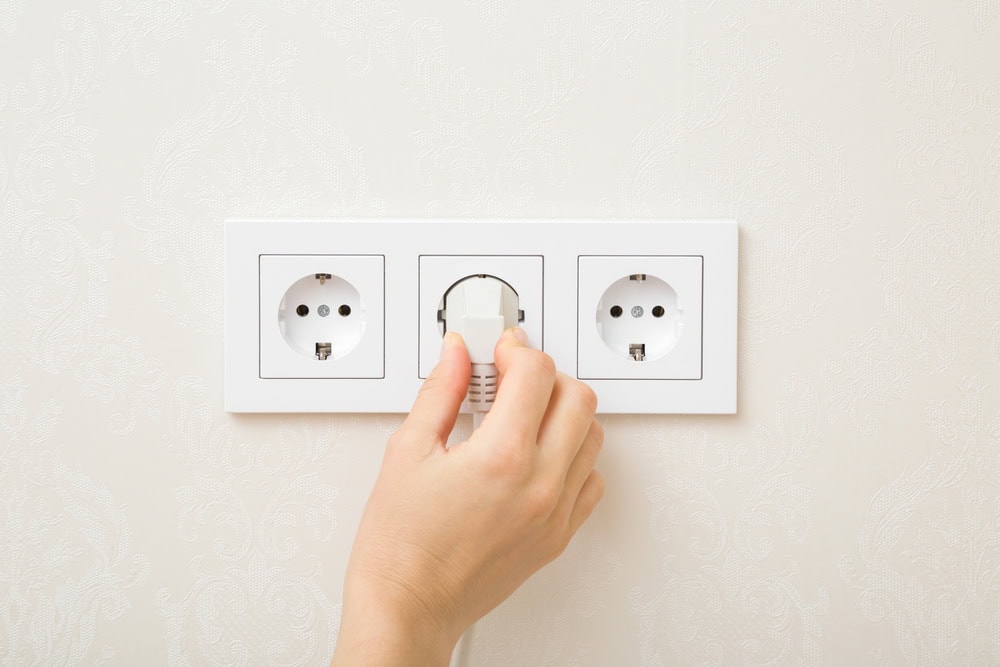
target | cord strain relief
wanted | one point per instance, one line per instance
(482, 387)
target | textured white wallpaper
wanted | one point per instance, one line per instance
(849, 515)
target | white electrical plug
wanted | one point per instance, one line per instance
(480, 308)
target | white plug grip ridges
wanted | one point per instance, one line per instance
(482, 387)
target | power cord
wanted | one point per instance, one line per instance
(479, 308)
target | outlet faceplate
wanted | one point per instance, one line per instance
(585, 291)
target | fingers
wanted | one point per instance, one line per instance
(582, 486)
(524, 387)
(583, 463)
(569, 418)
(590, 494)
(435, 409)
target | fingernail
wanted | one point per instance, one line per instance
(519, 334)
(450, 340)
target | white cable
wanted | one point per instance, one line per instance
(463, 649)
(462, 654)
(477, 420)
(479, 308)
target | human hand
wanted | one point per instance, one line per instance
(448, 534)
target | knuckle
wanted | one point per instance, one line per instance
(599, 484)
(507, 462)
(433, 387)
(540, 362)
(597, 431)
(431, 383)
(541, 501)
(504, 467)
(585, 396)
(558, 543)
(395, 447)
(395, 440)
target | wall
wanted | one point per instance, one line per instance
(847, 515)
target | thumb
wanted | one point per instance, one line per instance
(435, 410)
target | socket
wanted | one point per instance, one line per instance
(321, 316)
(570, 278)
(438, 274)
(639, 317)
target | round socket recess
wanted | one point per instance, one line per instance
(639, 317)
(468, 288)
(321, 316)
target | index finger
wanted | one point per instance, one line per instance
(436, 406)
(524, 387)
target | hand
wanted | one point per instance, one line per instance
(448, 534)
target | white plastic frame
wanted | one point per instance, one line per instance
(560, 244)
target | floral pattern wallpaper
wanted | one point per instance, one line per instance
(849, 514)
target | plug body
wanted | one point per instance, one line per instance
(480, 308)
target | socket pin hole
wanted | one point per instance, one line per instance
(616, 311)
(658, 311)
(344, 310)
(302, 310)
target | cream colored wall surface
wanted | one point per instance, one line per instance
(848, 515)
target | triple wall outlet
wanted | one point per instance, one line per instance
(348, 315)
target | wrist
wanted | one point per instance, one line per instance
(382, 634)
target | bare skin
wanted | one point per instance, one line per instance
(448, 534)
